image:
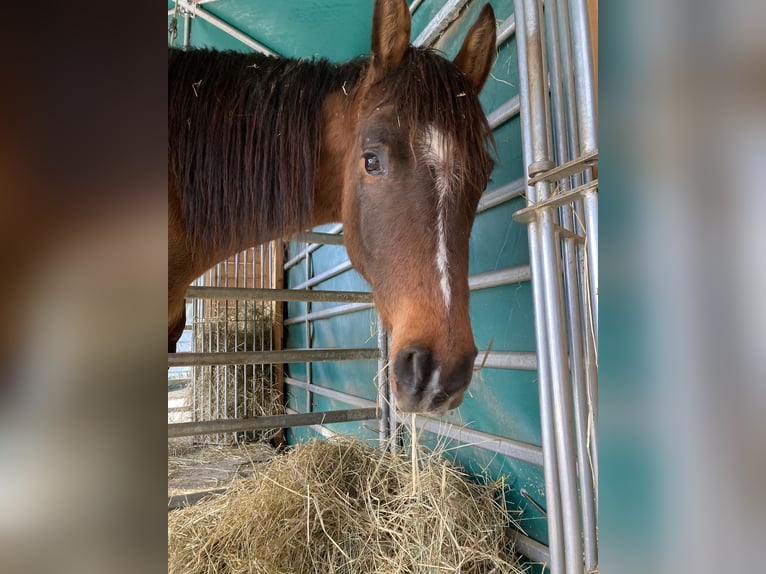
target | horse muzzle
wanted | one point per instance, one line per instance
(426, 385)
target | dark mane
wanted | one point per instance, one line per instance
(243, 140)
(428, 89)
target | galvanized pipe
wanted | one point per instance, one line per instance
(550, 466)
(226, 27)
(500, 277)
(529, 547)
(440, 22)
(506, 30)
(384, 414)
(502, 194)
(178, 430)
(311, 248)
(187, 30)
(316, 237)
(332, 393)
(266, 357)
(327, 313)
(503, 112)
(415, 5)
(507, 360)
(586, 119)
(193, 292)
(501, 445)
(554, 314)
(322, 277)
(574, 304)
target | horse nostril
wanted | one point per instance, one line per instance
(413, 368)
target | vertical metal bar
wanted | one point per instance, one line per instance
(573, 306)
(550, 467)
(254, 326)
(307, 324)
(187, 30)
(586, 120)
(262, 251)
(383, 407)
(554, 315)
(245, 331)
(236, 344)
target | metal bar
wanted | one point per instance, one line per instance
(187, 30)
(265, 357)
(415, 5)
(550, 466)
(532, 549)
(507, 360)
(278, 294)
(329, 274)
(500, 277)
(316, 237)
(504, 193)
(440, 22)
(584, 85)
(328, 313)
(311, 248)
(507, 29)
(504, 112)
(568, 168)
(573, 302)
(384, 414)
(332, 393)
(525, 215)
(270, 422)
(554, 313)
(226, 27)
(322, 430)
(501, 445)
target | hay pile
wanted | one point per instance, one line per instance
(341, 506)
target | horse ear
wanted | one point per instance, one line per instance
(390, 34)
(478, 51)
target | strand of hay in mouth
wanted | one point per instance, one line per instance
(342, 506)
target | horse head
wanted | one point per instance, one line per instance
(414, 139)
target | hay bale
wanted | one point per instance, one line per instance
(235, 391)
(342, 506)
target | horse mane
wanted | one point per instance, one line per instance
(244, 134)
(243, 141)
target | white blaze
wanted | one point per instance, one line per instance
(436, 153)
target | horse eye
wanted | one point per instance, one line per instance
(372, 164)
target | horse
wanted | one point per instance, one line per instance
(394, 145)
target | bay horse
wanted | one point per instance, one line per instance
(395, 146)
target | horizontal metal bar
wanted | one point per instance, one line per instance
(331, 393)
(566, 169)
(500, 277)
(316, 237)
(179, 409)
(328, 313)
(507, 29)
(501, 445)
(440, 22)
(507, 360)
(311, 248)
(504, 112)
(226, 27)
(178, 430)
(268, 357)
(532, 549)
(530, 212)
(329, 274)
(194, 292)
(322, 430)
(504, 193)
